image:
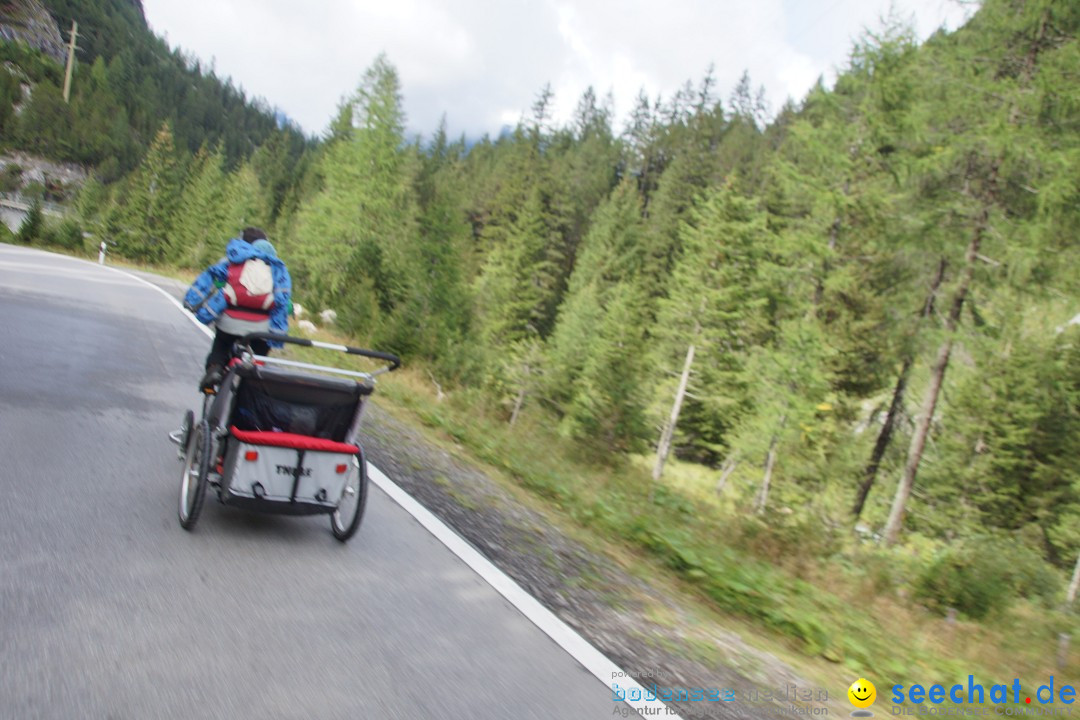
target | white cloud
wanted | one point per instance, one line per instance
(483, 63)
(795, 74)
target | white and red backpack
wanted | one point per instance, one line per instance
(249, 290)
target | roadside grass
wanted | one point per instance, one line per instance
(174, 273)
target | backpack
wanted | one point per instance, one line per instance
(250, 285)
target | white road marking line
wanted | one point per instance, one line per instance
(604, 669)
(598, 664)
(179, 305)
(11, 268)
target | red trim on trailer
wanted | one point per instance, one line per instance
(292, 440)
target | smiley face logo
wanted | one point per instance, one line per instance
(862, 693)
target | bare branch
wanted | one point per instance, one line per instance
(438, 388)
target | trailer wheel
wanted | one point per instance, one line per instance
(345, 521)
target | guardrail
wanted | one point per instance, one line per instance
(18, 202)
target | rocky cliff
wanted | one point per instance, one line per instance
(28, 21)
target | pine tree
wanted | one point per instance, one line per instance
(46, 124)
(436, 313)
(201, 225)
(353, 242)
(517, 288)
(600, 392)
(834, 195)
(145, 217)
(33, 225)
(724, 294)
(583, 168)
(978, 176)
(689, 158)
(613, 252)
(245, 202)
(278, 164)
(607, 404)
(788, 382)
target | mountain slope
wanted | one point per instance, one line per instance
(127, 82)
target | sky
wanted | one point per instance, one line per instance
(482, 63)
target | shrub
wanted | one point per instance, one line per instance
(68, 235)
(33, 191)
(32, 225)
(984, 575)
(884, 570)
(10, 178)
(792, 539)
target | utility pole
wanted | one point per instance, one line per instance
(70, 60)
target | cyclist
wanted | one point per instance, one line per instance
(249, 290)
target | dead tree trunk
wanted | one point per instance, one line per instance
(664, 446)
(766, 480)
(1074, 584)
(725, 472)
(770, 463)
(438, 387)
(526, 386)
(885, 436)
(891, 532)
(518, 402)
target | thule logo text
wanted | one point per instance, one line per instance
(291, 471)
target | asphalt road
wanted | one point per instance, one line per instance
(108, 609)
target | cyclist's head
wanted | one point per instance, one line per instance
(251, 234)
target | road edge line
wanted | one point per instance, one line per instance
(599, 665)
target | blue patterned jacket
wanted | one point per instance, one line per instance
(208, 302)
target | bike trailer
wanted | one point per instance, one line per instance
(281, 436)
(292, 440)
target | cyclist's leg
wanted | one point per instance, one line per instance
(217, 359)
(221, 349)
